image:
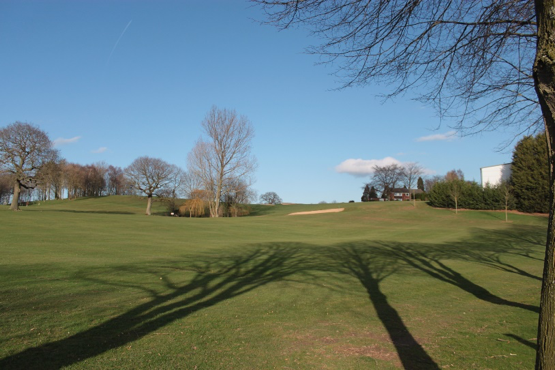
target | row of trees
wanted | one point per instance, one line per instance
(58, 179)
(219, 176)
(527, 190)
(458, 193)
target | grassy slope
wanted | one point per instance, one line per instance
(94, 283)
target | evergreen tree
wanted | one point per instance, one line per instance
(420, 184)
(530, 174)
(373, 193)
(366, 194)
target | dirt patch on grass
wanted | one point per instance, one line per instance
(375, 351)
(316, 212)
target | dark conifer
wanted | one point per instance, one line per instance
(530, 174)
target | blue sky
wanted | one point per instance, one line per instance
(115, 80)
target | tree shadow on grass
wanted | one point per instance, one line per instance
(371, 269)
(425, 259)
(210, 280)
(526, 342)
(371, 262)
(215, 279)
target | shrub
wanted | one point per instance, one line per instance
(471, 196)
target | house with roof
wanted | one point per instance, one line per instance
(399, 194)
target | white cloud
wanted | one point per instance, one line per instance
(62, 141)
(364, 167)
(437, 137)
(102, 149)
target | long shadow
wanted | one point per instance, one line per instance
(523, 341)
(371, 270)
(517, 238)
(214, 280)
(425, 261)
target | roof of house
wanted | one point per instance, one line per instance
(399, 190)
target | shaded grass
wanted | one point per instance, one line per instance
(377, 286)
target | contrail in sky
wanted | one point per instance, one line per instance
(117, 42)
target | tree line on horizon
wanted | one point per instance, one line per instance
(217, 180)
(527, 189)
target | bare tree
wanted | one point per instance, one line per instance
(170, 194)
(270, 198)
(24, 149)
(507, 192)
(410, 173)
(94, 179)
(454, 175)
(385, 178)
(489, 63)
(74, 180)
(117, 183)
(191, 183)
(6, 187)
(149, 175)
(236, 197)
(50, 175)
(226, 157)
(455, 191)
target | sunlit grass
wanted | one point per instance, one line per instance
(94, 283)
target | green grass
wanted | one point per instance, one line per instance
(93, 283)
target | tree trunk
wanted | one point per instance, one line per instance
(148, 204)
(544, 80)
(15, 199)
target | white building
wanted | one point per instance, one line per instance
(493, 175)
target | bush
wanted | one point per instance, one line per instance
(421, 196)
(470, 196)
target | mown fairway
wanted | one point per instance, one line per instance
(93, 283)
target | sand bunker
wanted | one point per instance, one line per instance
(315, 212)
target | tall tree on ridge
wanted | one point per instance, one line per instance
(226, 158)
(24, 150)
(149, 175)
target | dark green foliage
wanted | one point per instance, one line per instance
(530, 174)
(471, 196)
(365, 194)
(369, 194)
(421, 196)
(420, 184)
